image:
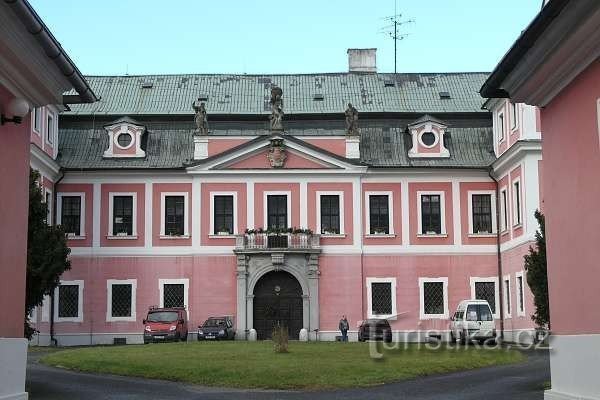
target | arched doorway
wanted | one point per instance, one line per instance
(277, 301)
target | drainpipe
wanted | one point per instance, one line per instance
(52, 300)
(499, 256)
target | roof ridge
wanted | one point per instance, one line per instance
(287, 74)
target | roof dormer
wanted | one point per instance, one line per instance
(125, 139)
(428, 138)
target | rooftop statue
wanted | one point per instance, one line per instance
(200, 118)
(351, 114)
(276, 117)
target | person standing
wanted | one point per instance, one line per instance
(344, 326)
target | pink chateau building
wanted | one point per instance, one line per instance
(417, 200)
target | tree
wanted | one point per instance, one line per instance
(47, 252)
(537, 274)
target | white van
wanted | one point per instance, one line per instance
(473, 320)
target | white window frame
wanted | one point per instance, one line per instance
(514, 118)
(500, 129)
(36, 116)
(161, 291)
(340, 195)
(520, 304)
(507, 297)
(79, 317)
(392, 282)
(134, 221)
(517, 212)
(287, 193)
(504, 221)
(211, 231)
(163, 210)
(49, 205)
(59, 197)
(494, 279)
(367, 211)
(492, 194)
(50, 136)
(442, 195)
(422, 314)
(109, 285)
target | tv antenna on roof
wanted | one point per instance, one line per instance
(391, 30)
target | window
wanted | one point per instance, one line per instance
(124, 140)
(121, 300)
(486, 289)
(517, 202)
(48, 201)
(277, 211)
(68, 306)
(381, 298)
(223, 215)
(71, 213)
(430, 214)
(379, 214)
(513, 115)
(482, 213)
(520, 294)
(433, 298)
(478, 312)
(50, 129)
(503, 211)
(500, 127)
(37, 119)
(123, 215)
(428, 139)
(507, 305)
(173, 292)
(175, 215)
(330, 214)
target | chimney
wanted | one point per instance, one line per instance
(362, 60)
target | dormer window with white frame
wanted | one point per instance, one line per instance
(428, 138)
(125, 139)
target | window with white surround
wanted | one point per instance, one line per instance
(121, 297)
(48, 201)
(36, 120)
(277, 209)
(433, 298)
(507, 305)
(482, 212)
(503, 210)
(431, 213)
(520, 285)
(500, 127)
(173, 208)
(122, 215)
(516, 198)
(330, 213)
(380, 213)
(223, 213)
(486, 289)
(71, 213)
(513, 115)
(173, 293)
(381, 298)
(50, 129)
(68, 304)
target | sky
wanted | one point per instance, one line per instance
(118, 37)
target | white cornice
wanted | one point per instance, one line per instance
(42, 162)
(514, 154)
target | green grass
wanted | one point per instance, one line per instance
(308, 366)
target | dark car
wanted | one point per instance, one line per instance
(375, 329)
(164, 324)
(216, 328)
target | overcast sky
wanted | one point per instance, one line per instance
(115, 37)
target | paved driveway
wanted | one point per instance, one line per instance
(521, 381)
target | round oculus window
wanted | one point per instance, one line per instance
(124, 139)
(428, 138)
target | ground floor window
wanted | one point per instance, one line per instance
(381, 296)
(507, 305)
(486, 289)
(121, 296)
(520, 294)
(69, 301)
(433, 298)
(173, 292)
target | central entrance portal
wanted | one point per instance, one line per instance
(277, 302)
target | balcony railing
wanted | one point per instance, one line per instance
(277, 241)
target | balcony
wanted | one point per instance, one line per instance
(263, 242)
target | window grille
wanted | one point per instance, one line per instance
(381, 298)
(121, 300)
(520, 294)
(173, 295)
(486, 291)
(68, 301)
(433, 297)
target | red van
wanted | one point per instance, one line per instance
(164, 324)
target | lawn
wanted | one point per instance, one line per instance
(308, 366)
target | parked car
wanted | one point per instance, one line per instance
(473, 320)
(165, 324)
(375, 329)
(216, 328)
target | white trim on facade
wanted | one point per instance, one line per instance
(517, 212)
(520, 291)
(186, 204)
(81, 195)
(504, 221)
(392, 282)
(182, 281)
(266, 195)
(422, 314)
(212, 214)
(442, 195)
(367, 211)
(134, 219)
(109, 285)
(492, 194)
(79, 317)
(494, 279)
(340, 195)
(507, 298)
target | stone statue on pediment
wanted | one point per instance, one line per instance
(276, 101)
(200, 118)
(351, 114)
